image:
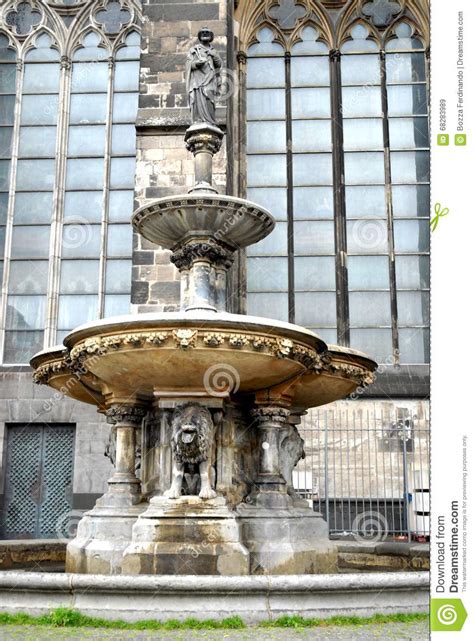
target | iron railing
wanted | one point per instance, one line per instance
(366, 468)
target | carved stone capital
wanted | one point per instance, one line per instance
(126, 414)
(66, 63)
(203, 138)
(213, 253)
(271, 414)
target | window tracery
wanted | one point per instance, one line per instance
(66, 192)
(362, 215)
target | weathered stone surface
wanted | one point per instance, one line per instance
(186, 535)
(253, 598)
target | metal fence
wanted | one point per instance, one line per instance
(366, 468)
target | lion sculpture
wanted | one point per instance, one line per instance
(192, 442)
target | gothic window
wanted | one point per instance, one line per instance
(338, 149)
(292, 272)
(66, 169)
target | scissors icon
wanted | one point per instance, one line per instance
(439, 213)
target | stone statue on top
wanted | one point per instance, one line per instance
(203, 79)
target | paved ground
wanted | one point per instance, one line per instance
(392, 632)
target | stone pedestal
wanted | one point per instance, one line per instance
(186, 536)
(102, 536)
(287, 541)
(105, 531)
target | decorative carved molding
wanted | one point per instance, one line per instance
(195, 251)
(127, 414)
(272, 414)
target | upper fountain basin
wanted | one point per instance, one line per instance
(171, 221)
(180, 353)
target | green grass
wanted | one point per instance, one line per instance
(67, 618)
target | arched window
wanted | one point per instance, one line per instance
(68, 104)
(292, 272)
(338, 149)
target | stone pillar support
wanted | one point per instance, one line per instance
(203, 141)
(203, 265)
(124, 486)
(271, 484)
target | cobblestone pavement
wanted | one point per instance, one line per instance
(393, 632)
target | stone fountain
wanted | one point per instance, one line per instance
(210, 400)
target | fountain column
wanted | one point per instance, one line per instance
(272, 490)
(124, 486)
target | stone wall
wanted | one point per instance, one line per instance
(22, 402)
(164, 166)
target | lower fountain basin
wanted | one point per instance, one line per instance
(209, 354)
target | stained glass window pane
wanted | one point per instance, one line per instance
(31, 208)
(361, 101)
(315, 273)
(362, 134)
(311, 103)
(274, 245)
(21, 346)
(265, 171)
(41, 78)
(39, 110)
(364, 168)
(409, 133)
(411, 200)
(81, 240)
(414, 345)
(116, 305)
(266, 104)
(28, 277)
(76, 310)
(268, 305)
(315, 309)
(25, 312)
(122, 173)
(312, 169)
(375, 342)
(120, 206)
(126, 76)
(313, 238)
(309, 71)
(87, 173)
(312, 135)
(30, 242)
(360, 70)
(86, 141)
(367, 236)
(366, 201)
(118, 277)
(267, 274)
(37, 142)
(79, 277)
(35, 174)
(265, 72)
(275, 200)
(412, 236)
(266, 137)
(88, 108)
(410, 167)
(83, 205)
(125, 107)
(413, 308)
(368, 272)
(370, 309)
(413, 272)
(313, 202)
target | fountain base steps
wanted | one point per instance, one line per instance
(287, 541)
(186, 536)
(103, 534)
(253, 598)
